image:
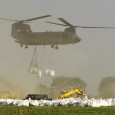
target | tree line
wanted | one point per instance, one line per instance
(106, 87)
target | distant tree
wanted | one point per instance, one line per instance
(107, 87)
(41, 88)
(63, 82)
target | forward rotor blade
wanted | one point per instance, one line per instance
(64, 21)
(26, 19)
(56, 23)
(95, 27)
(36, 18)
(8, 19)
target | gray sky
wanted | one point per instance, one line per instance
(91, 59)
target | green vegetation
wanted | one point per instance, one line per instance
(107, 87)
(61, 83)
(11, 110)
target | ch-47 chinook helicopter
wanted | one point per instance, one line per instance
(22, 33)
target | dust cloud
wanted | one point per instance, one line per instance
(10, 90)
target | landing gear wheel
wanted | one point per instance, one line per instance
(21, 45)
(26, 46)
(56, 47)
(52, 46)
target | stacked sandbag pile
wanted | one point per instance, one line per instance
(60, 102)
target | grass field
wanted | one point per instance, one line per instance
(11, 110)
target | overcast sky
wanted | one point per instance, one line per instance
(91, 59)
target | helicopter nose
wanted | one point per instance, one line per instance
(77, 40)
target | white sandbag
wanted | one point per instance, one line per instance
(33, 70)
(84, 102)
(48, 102)
(10, 101)
(103, 102)
(17, 102)
(109, 101)
(39, 73)
(50, 73)
(77, 102)
(64, 102)
(93, 103)
(24, 103)
(3, 102)
(113, 102)
(34, 102)
(47, 72)
(41, 103)
(72, 102)
(56, 102)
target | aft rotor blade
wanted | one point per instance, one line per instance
(36, 18)
(95, 27)
(56, 23)
(64, 21)
(8, 19)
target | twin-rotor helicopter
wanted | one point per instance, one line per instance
(22, 33)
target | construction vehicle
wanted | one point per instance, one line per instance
(68, 94)
(38, 97)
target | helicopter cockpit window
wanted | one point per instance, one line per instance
(18, 30)
(75, 35)
(23, 28)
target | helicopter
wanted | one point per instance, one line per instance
(22, 33)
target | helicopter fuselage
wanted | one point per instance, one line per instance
(24, 36)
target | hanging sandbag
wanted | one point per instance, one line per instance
(39, 73)
(47, 72)
(34, 65)
(50, 73)
(33, 70)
